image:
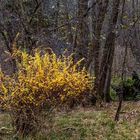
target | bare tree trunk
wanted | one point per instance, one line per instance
(135, 36)
(69, 29)
(108, 54)
(83, 32)
(95, 48)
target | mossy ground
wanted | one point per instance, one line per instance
(86, 124)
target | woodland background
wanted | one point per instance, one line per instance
(106, 33)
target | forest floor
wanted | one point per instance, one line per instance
(86, 124)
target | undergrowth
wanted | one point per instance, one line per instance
(42, 82)
(90, 124)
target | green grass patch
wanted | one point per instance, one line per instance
(87, 124)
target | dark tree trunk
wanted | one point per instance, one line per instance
(108, 54)
(97, 28)
(82, 32)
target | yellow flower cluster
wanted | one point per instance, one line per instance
(43, 79)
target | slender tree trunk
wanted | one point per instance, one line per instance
(69, 29)
(83, 32)
(108, 54)
(95, 48)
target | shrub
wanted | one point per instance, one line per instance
(41, 81)
(130, 90)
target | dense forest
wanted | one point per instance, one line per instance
(69, 69)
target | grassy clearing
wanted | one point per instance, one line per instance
(86, 124)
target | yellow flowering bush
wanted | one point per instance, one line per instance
(41, 81)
